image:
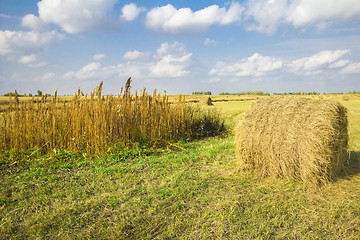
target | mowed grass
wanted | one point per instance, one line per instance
(192, 191)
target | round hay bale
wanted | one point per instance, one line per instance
(294, 138)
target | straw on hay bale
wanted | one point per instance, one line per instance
(294, 138)
(206, 101)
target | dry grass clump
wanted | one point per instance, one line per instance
(345, 98)
(100, 124)
(207, 101)
(294, 138)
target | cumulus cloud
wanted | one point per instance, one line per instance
(256, 65)
(28, 59)
(170, 60)
(98, 57)
(26, 42)
(95, 71)
(33, 22)
(78, 16)
(133, 55)
(87, 72)
(264, 15)
(173, 61)
(172, 50)
(309, 64)
(130, 12)
(308, 11)
(183, 21)
(351, 68)
(171, 67)
(339, 64)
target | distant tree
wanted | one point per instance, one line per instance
(30, 95)
(39, 93)
(201, 93)
(246, 93)
(13, 94)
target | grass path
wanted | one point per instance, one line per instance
(194, 193)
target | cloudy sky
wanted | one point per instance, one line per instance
(180, 46)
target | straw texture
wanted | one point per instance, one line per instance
(207, 101)
(294, 138)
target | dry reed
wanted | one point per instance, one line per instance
(98, 124)
(294, 138)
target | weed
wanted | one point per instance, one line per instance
(103, 124)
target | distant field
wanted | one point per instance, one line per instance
(187, 191)
(190, 98)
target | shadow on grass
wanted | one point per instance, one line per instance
(352, 166)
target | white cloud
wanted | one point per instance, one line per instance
(171, 67)
(26, 42)
(87, 72)
(256, 65)
(309, 64)
(184, 21)
(210, 42)
(308, 11)
(38, 65)
(94, 71)
(33, 22)
(133, 55)
(98, 57)
(264, 16)
(48, 76)
(324, 57)
(171, 50)
(171, 60)
(28, 59)
(351, 68)
(130, 12)
(339, 64)
(267, 15)
(78, 16)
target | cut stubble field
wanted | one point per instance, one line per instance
(188, 190)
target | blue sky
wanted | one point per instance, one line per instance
(180, 46)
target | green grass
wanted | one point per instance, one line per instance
(192, 191)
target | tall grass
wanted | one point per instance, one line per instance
(99, 124)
